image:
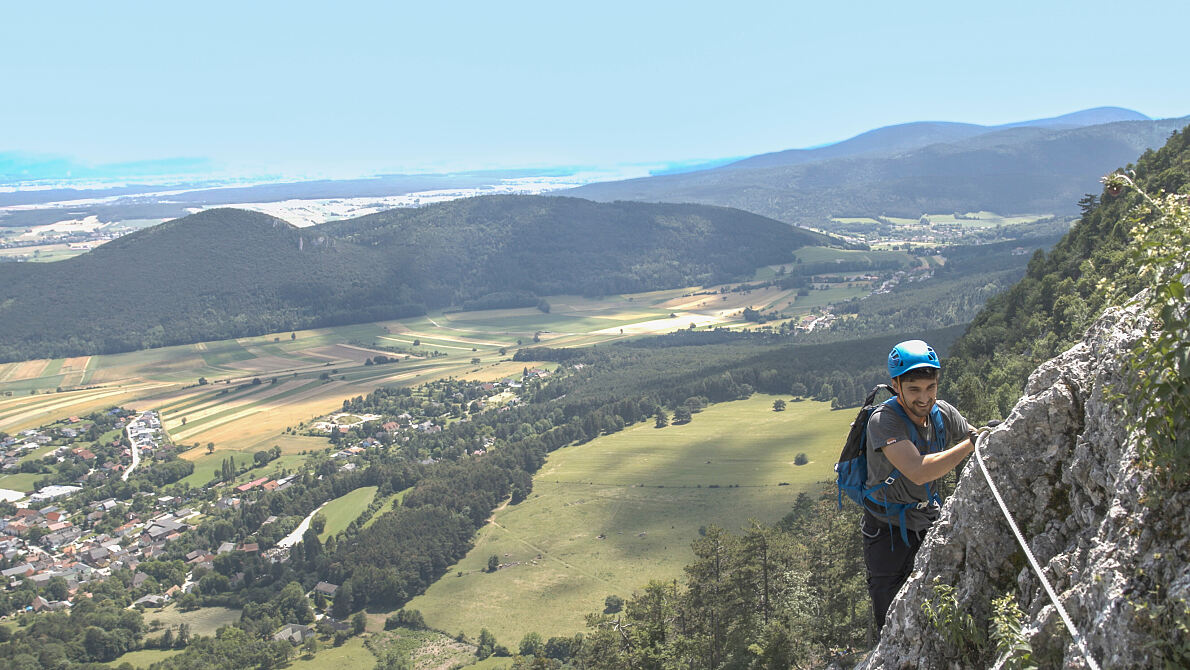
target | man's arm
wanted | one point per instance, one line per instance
(921, 468)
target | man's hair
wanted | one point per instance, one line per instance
(919, 373)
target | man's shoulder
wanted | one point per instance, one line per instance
(948, 410)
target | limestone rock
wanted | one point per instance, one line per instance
(1068, 472)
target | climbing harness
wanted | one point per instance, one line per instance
(1078, 639)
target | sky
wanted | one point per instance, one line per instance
(348, 88)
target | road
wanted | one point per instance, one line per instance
(135, 450)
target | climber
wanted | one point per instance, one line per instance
(913, 439)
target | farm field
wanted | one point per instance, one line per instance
(607, 516)
(258, 387)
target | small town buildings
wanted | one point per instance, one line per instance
(294, 633)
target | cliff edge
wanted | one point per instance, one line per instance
(1112, 544)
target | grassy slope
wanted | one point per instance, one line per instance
(612, 486)
(341, 511)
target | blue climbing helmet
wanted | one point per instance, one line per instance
(911, 355)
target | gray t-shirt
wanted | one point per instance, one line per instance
(885, 427)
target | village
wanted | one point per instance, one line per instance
(57, 542)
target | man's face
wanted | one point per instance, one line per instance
(917, 397)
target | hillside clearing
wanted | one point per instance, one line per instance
(607, 516)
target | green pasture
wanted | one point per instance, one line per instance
(202, 621)
(985, 219)
(351, 654)
(607, 516)
(41, 384)
(19, 481)
(206, 464)
(220, 353)
(143, 658)
(389, 503)
(341, 511)
(44, 253)
(826, 254)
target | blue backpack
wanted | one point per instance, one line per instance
(851, 472)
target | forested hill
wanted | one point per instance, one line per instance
(1062, 292)
(231, 273)
(1014, 170)
(544, 245)
(220, 273)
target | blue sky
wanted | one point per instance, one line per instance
(357, 87)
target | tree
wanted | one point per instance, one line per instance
(210, 447)
(487, 644)
(293, 605)
(318, 522)
(344, 601)
(612, 604)
(310, 647)
(801, 459)
(682, 415)
(493, 563)
(359, 623)
(778, 405)
(662, 419)
(531, 645)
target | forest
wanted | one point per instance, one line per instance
(228, 273)
(1062, 291)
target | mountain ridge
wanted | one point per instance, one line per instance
(1017, 170)
(226, 273)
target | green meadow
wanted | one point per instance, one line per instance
(341, 511)
(609, 515)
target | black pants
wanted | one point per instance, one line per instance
(889, 562)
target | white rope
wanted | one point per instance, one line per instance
(1078, 639)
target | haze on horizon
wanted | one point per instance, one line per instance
(290, 88)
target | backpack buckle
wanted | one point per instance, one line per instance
(923, 504)
(890, 480)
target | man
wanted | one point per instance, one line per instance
(913, 440)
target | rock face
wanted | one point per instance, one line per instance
(1113, 546)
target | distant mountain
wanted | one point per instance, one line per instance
(905, 136)
(231, 273)
(1037, 167)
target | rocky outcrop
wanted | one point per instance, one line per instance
(1113, 545)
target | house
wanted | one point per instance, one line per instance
(251, 485)
(97, 557)
(390, 426)
(225, 548)
(326, 588)
(250, 547)
(294, 633)
(22, 570)
(152, 600)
